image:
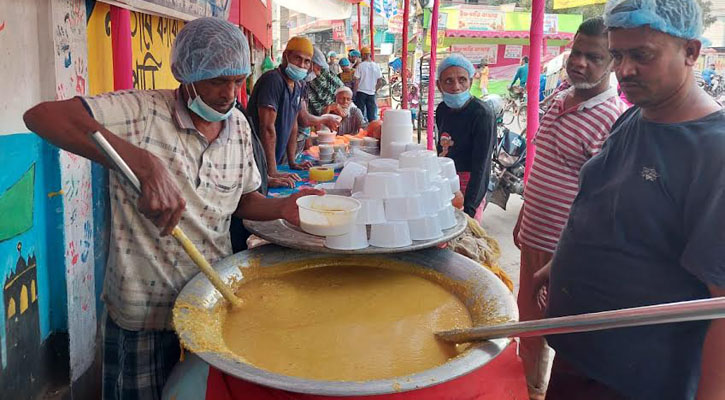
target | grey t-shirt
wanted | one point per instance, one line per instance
(646, 228)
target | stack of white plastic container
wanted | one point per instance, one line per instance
(397, 134)
(402, 200)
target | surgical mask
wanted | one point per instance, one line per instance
(311, 76)
(205, 111)
(294, 72)
(456, 100)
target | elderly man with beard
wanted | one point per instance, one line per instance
(352, 118)
(572, 131)
(646, 227)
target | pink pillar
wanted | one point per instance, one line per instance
(432, 74)
(404, 72)
(372, 32)
(121, 45)
(532, 82)
(359, 28)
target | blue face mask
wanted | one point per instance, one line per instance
(456, 100)
(294, 72)
(205, 111)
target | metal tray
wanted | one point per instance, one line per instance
(284, 234)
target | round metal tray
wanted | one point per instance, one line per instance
(485, 288)
(285, 234)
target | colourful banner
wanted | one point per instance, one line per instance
(477, 19)
(151, 40)
(559, 4)
(478, 52)
(395, 24)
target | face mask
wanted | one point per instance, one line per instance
(203, 110)
(294, 72)
(456, 100)
(310, 77)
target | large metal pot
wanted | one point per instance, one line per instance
(486, 297)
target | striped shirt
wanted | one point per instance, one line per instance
(565, 141)
(145, 272)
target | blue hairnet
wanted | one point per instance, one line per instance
(208, 48)
(332, 54)
(344, 62)
(456, 60)
(681, 18)
(319, 59)
(354, 53)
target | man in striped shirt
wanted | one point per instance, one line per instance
(572, 131)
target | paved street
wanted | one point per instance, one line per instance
(500, 224)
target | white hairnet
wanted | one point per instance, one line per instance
(456, 60)
(208, 48)
(681, 18)
(319, 59)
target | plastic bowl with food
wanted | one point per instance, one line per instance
(327, 215)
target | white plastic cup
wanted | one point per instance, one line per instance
(431, 200)
(455, 184)
(372, 211)
(326, 136)
(415, 180)
(425, 159)
(445, 186)
(356, 239)
(415, 146)
(397, 116)
(448, 167)
(447, 217)
(390, 235)
(356, 142)
(358, 185)
(383, 165)
(405, 208)
(370, 142)
(426, 228)
(326, 149)
(382, 185)
(396, 149)
(346, 179)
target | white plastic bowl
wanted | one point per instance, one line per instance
(372, 211)
(326, 149)
(397, 116)
(405, 208)
(390, 235)
(327, 215)
(396, 149)
(425, 159)
(415, 180)
(358, 185)
(346, 180)
(431, 200)
(382, 185)
(383, 165)
(426, 228)
(326, 137)
(447, 217)
(414, 146)
(356, 239)
(448, 167)
(445, 186)
(455, 184)
(356, 142)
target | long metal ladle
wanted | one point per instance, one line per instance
(177, 233)
(694, 310)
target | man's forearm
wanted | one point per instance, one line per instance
(292, 145)
(68, 125)
(309, 119)
(254, 206)
(712, 378)
(269, 143)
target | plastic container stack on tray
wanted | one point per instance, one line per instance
(402, 200)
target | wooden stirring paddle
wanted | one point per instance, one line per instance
(693, 310)
(177, 233)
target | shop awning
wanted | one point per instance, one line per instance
(256, 17)
(322, 9)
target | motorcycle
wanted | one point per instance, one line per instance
(507, 168)
(717, 87)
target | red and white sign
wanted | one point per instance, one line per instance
(515, 51)
(338, 30)
(477, 52)
(476, 19)
(395, 24)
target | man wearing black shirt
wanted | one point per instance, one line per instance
(468, 131)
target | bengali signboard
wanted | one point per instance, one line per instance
(476, 19)
(559, 4)
(513, 51)
(477, 52)
(551, 24)
(395, 24)
(338, 30)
